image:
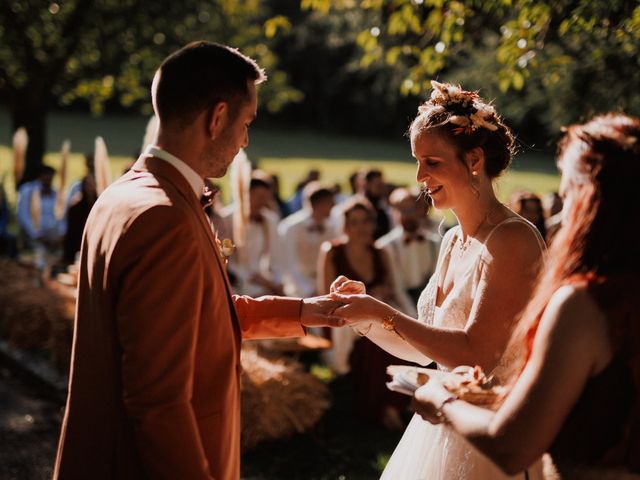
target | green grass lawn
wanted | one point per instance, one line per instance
(291, 154)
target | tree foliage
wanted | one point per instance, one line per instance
(105, 50)
(563, 59)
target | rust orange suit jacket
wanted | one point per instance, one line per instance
(154, 381)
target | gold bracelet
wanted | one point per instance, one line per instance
(389, 323)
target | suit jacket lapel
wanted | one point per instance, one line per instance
(165, 170)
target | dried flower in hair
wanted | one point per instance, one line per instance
(466, 109)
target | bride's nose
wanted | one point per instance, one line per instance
(422, 174)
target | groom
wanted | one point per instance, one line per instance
(155, 375)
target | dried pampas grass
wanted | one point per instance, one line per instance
(20, 143)
(62, 173)
(102, 167)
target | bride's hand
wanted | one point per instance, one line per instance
(347, 287)
(358, 308)
(428, 399)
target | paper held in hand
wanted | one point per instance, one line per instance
(468, 383)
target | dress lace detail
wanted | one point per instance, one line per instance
(435, 452)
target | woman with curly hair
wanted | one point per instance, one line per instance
(576, 392)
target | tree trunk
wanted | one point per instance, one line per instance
(29, 109)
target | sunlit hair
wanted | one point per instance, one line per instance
(443, 116)
(197, 77)
(602, 161)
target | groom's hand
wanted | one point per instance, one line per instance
(318, 312)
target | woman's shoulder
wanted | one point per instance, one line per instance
(573, 314)
(515, 238)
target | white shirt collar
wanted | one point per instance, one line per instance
(191, 176)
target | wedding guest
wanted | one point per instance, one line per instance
(295, 202)
(356, 256)
(281, 206)
(577, 390)
(258, 261)
(483, 278)
(40, 227)
(82, 195)
(370, 184)
(529, 206)
(301, 235)
(154, 386)
(412, 246)
(337, 193)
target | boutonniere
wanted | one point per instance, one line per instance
(226, 247)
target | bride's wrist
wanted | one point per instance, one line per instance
(389, 322)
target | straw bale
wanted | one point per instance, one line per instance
(278, 398)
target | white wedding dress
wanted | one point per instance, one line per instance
(436, 452)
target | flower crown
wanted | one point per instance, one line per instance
(467, 110)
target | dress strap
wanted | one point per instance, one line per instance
(541, 244)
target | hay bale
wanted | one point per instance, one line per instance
(33, 318)
(278, 398)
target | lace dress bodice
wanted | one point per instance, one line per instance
(456, 308)
(435, 452)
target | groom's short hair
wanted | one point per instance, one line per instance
(199, 76)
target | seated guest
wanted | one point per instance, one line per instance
(295, 202)
(529, 206)
(257, 261)
(576, 391)
(301, 235)
(370, 184)
(412, 247)
(282, 209)
(40, 227)
(82, 196)
(355, 256)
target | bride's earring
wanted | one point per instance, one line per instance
(473, 181)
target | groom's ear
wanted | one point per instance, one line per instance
(217, 120)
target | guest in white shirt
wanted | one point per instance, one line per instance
(302, 235)
(257, 261)
(412, 246)
(39, 225)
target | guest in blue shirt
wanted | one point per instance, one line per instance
(39, 225)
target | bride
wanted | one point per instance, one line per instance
(484, 276)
